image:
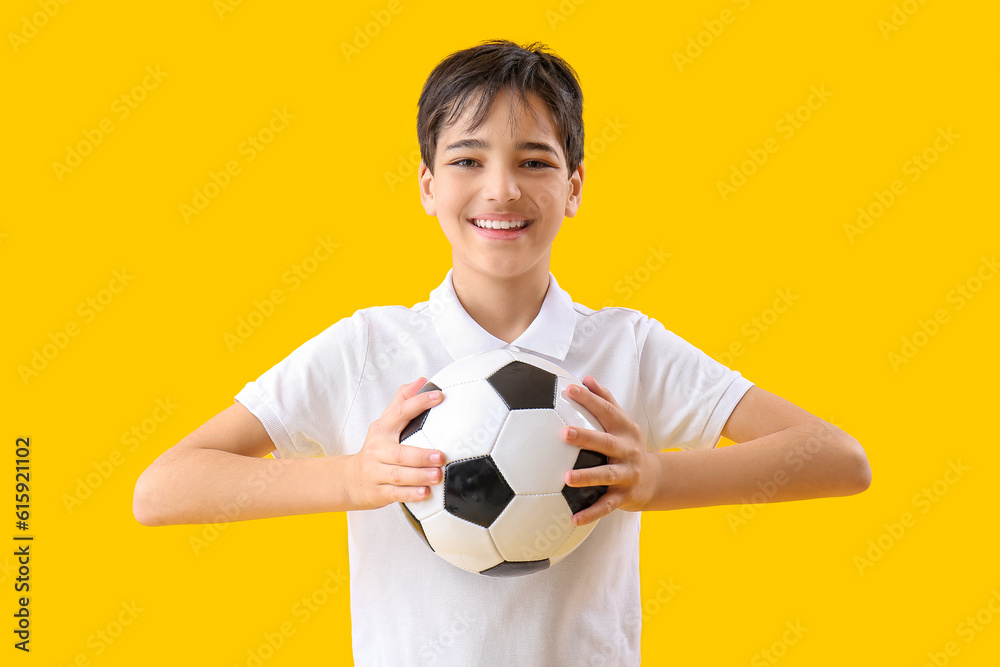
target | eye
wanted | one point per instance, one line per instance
(541, 165)
(458, 163)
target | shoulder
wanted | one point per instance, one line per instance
(612, 316)
(390, 318)
(614, 330)
(652, 338)
(393, 325)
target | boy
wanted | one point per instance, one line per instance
(501, 137)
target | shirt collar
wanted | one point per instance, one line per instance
(550, 333)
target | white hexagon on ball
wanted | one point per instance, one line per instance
(461, 543)
(531, 453)
(532, 527)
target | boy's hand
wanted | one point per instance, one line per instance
(631, 474)
(384, 470)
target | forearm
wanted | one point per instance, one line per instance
(201, 485)
(796, 463)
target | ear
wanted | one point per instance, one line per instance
(574, 195)
(426, 181)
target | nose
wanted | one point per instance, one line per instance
(501, 184)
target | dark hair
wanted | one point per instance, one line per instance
(493, 66)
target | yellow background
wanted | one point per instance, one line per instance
(653, 184)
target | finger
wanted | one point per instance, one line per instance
(413, 405)
(606, 475)
(405, 476)
(408, 390)
(404, 392)
(609, 415)
(586, 438)
(601, 391)
(405, 494)
(604, 506)
(415, 457)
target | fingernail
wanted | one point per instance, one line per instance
(435, 395)
(570, 433)
(574, 476)
(432, 475)
(435, 458)
(573, 390)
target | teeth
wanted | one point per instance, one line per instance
(500, 224)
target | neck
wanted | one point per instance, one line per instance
(504, 307)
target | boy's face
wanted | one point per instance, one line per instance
(494, 175)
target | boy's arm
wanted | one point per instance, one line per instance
(218, 472)
(782, 448)
(782, 453)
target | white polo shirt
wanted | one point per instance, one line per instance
(409, 606)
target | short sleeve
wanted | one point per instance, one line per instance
(688, 396)
(304, 400)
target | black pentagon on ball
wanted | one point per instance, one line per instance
(475, 490)
(523, 386)
(417, 422)
(510, 568)
(416, 525)
(582, 497)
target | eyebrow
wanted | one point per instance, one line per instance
(479, 144)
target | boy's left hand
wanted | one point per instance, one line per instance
(632, 473)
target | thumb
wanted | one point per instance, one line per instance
(412, 389)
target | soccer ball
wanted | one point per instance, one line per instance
(503, 509)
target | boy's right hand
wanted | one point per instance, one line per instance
(385, 471)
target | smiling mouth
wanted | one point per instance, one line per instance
(500, 225)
